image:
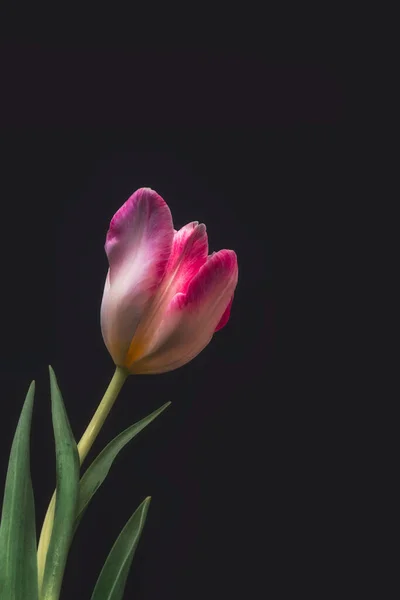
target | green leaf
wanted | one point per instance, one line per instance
(67, 464)
(112, 579)
(98, 470)
(18, 567)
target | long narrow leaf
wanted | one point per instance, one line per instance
(98, 470)
(112, 579)
(67, 463)
(18, 568)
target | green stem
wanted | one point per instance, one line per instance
(93, 429)
(84, 447)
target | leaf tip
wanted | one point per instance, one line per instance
(53, 378)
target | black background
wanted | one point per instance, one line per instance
(240, 468)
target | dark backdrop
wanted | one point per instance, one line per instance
(239, 468)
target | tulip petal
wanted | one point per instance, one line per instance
(188, 255)
(138, 247)
(225, 316)
(192, 317)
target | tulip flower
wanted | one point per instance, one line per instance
(164, 296)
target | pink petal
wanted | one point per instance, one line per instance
(192, 317)
(188, 255)
(138, 246)
(225, 316)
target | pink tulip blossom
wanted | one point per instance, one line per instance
(164, 297)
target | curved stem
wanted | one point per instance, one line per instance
(93, 429)
(84, 447)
